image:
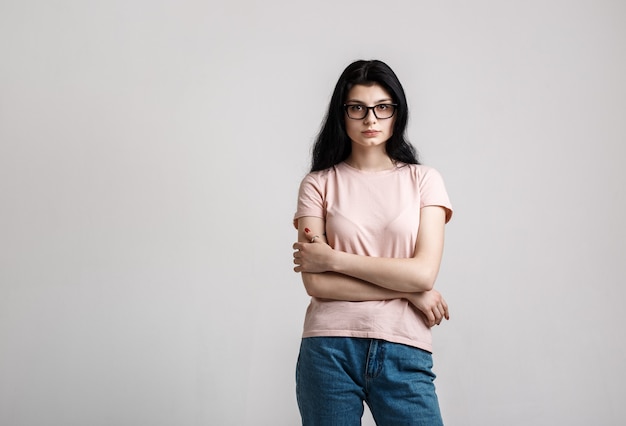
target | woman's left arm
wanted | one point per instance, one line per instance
(414, 274)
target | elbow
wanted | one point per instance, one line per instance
(424, 281)
(429, 285)
(311, 284)
(422, 285)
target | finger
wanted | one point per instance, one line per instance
(438, 315)
(313, 235)
(297, 246)
(446, 310)
(431, 318)
(443, 312)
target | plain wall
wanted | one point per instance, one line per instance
(150, 154)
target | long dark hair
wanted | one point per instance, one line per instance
(332, 145)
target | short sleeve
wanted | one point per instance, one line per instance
(433, 191)
(310, 199)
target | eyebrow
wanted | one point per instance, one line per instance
(377, 102)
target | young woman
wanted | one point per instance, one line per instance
(370, 223)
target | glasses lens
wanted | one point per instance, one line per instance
(384, 110)
(356, 111)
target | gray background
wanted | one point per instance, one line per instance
(150, 154)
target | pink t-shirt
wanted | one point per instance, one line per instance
(372, 214)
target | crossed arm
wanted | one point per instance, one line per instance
(332, 274)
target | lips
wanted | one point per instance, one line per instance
(371, 133)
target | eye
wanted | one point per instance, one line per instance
(382, 107)
(355, 108)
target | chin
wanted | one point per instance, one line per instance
(369, 143)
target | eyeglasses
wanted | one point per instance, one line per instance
(381, 111)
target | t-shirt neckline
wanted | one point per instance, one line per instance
(371, 172)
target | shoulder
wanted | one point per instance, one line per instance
(432, 188)
(319, 177)
(315, 184)
(421, 172)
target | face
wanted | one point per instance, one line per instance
(369, 131)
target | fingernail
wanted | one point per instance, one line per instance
(307, 230)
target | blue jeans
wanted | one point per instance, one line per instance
(334, 375)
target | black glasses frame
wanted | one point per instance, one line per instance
(367, 111)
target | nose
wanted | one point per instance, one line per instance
(370, 117)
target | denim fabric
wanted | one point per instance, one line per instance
(334, 375)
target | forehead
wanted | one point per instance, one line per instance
(367, 94)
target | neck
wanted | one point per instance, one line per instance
(370, 160)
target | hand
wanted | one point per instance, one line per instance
(432, 305)
(312, 257)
